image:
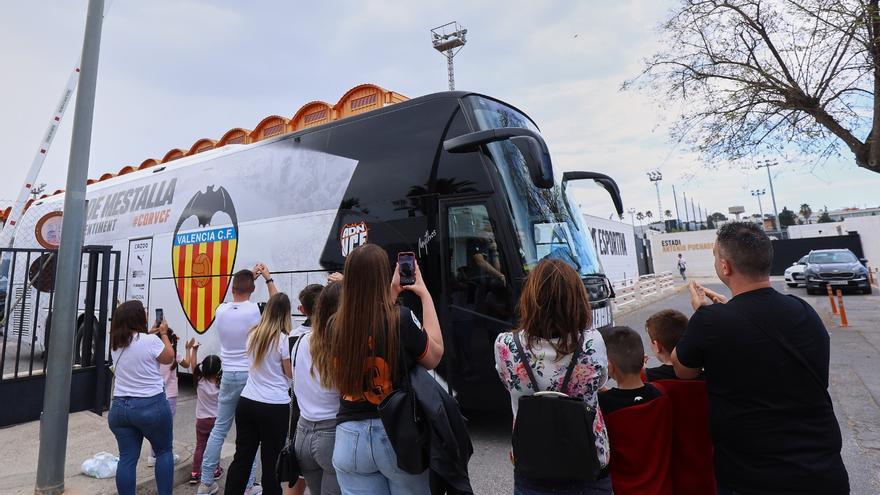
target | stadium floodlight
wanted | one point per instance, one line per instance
(655, 176)
(449, 39)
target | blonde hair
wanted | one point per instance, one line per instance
(274, 322)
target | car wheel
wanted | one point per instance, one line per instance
(869, 290)
(811, 292)
(791, 285)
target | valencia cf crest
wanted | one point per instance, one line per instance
(203, 254)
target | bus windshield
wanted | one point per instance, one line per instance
(547, 222)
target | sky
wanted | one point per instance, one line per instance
(172, 72)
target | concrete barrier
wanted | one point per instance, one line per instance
(630, 292)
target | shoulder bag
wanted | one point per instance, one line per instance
(553, 435)
(287, 466)
(405, 424)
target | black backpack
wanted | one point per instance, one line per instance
(553, 435)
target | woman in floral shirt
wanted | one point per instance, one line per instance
(555, 313)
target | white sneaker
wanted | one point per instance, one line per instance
(208, 489)
(254, 490)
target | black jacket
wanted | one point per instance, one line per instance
(451, 446)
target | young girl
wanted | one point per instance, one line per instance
(206, 377)
(371, 339)
(169, 376)
(316, 430)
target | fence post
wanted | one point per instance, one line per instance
(843, 322)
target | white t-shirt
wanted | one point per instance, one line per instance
(316, 403)
(136, 368)
(233, 321)
(267, 382)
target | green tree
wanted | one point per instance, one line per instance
(787, 217)
(825, 218)
(764, 75)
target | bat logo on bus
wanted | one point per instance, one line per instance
(352, 236)
(203, 254)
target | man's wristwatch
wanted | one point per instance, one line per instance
(269, 281)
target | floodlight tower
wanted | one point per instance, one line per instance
(655, 177)
(448, 39)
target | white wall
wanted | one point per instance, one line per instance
(868, 228)
(615, 244)
(816, 230)
(869, 231)
(696, 247)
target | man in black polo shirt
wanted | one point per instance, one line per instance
(772, 421)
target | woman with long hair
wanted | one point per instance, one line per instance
(261, 416)
(140, 409)
(373, 343)
(555, 322)
(318, 404)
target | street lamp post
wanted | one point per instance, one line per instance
(655, 176)
(632, 219)
(767, 164)
(758, 193)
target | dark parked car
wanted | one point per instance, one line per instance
(837, 268)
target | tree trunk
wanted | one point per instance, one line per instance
(872, 143)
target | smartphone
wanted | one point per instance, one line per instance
(160, 315)
(261, 306)
(407, 263)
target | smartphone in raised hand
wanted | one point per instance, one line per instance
(406, 263)
(160, 316)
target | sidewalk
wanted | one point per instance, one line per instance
(89, 434)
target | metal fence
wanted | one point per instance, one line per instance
(630, 290)
(27, 283)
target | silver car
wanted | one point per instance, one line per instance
(794, 275)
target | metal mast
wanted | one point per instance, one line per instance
(56, 400)
(655, 176)
(449, 39)
(767, 164)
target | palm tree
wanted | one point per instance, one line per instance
(649, 215)
(667, 213)
(806, 212)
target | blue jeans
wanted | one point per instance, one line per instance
(231, 385)
(131, 419)
(366, 464)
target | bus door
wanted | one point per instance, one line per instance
(477, 296)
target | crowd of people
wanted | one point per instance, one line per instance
(737, 405)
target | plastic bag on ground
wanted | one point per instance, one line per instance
(100, 465)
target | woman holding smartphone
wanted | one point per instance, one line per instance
(374, 342)
(140, 409)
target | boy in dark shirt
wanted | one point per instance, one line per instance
(639, 420)
(664, 328)
(626, 356)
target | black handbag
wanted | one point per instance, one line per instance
(553, 435)
(406, 426)
(287, 466)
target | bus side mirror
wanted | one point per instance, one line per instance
(529, 143)
(603, 180)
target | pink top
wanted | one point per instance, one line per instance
(206, 399)
(169, 376)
